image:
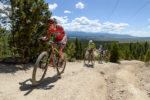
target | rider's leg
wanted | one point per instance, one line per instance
(92, 52)
(51, 62)
(90, 55)
(60, 51)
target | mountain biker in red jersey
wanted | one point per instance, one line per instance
(56, 34)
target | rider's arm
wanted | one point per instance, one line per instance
(46, 37)
(93, 46)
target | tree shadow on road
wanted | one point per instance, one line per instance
(27, 84)
(13, 68)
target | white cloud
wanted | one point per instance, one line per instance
(7, 26)
(3, 6)
(86, 25)
(61, 20)
(3, 15)
(79, 5)
(83, 24)
(113, 27)
(67, 12)
(4, 12)
(52, 6)
(149, 26)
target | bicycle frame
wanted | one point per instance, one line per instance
(54, 50)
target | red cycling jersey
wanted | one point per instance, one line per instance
(60, 33)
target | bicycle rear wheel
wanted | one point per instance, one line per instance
(40, 68)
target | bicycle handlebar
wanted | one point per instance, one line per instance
(55, 43)
(41, 40)
(51, 42)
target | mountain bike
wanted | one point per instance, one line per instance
(89, 57)
(46, 57)
(100, 57)
(106, 56)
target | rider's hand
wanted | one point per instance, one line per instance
(44, 38)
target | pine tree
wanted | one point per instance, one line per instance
(2, 32)
(127, 54)
(70, 51)
(146, 46)
(147, 57)
(114, 54)
(28, 23)
(3, 41)
(78, 49)
(141, 56)
(81, 50)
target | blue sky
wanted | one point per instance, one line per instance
(111, 16)
(104, 16)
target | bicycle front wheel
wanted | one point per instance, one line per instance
(100, 58)
(61, 64)
(40, 68)
(93, 59)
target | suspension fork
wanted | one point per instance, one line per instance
(54, 51)
(49, 53)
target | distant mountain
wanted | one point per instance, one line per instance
(89, 34)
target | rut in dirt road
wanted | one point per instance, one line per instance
(123, 83)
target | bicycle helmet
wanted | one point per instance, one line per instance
(91, 41)
(51, 21)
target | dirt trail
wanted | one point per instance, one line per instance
(128, 80)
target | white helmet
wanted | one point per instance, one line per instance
(90, 41)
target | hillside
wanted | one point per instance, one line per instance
(105, 37)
